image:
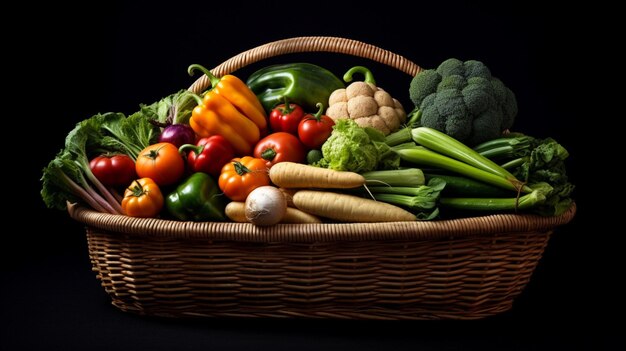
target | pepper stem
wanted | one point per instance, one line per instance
(240, 168)
(214, 80)
(268, 154)
(197, 149)
(369, 77)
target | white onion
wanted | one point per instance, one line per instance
(265, 205)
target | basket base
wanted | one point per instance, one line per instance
(454, 278)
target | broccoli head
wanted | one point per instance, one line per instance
(463, 100)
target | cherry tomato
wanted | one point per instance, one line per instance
(160, 162)
(286, 118)
(313, 130)
(115, 171)
(280, 147)
(142, 198)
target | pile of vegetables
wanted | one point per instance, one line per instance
(294, 145)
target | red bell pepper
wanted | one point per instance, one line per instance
(209, 154)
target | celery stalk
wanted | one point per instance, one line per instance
(397, 177)
(425, 157)
(494, 204)
(399, 137)
(446, 145)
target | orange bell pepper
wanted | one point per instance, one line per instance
(242, 175)
(229, 109)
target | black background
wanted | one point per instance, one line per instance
(74, 62)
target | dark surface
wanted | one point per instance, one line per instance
(112, 58)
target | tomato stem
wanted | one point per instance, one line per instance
(268, 154)
(240, 168)
(154, 153)
(287, 109)
(136, 189)
(318, 114)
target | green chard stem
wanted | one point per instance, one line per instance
(497, 152)
(514, 163)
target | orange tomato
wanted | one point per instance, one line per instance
(160, 162)
(242, 175)
(142, 198)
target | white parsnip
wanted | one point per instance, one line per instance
(348, 208)
(295, 215)
(296, 175)
(288, 196)
(236, 211)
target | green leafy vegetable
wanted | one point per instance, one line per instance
(173, 109)
(356, 149)
(69, 178)
(538, 162)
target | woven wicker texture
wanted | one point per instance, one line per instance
(454, 269)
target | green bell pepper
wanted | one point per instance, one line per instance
(304, 84)
(196, 199)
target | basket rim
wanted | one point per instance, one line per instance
(319, 232)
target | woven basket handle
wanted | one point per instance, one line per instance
(308, 44)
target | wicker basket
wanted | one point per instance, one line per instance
(454, 269)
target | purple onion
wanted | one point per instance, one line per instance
(178, 134)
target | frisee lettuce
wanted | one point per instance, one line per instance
(356, 149)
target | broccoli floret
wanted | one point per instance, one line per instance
(448, 112)
(452, 82)
(423, 85)
(451, 67)
(475, 68)
(463, 100)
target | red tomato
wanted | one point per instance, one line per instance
(116, 170)
(286, 117)
(280, 147)
(313, 130)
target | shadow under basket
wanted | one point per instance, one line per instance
(452, 269)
